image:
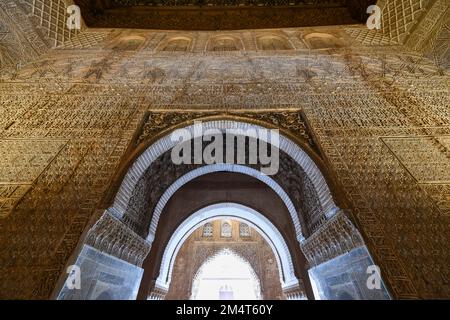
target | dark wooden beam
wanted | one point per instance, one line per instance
(214, 18)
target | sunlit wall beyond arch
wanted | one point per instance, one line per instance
(226, 276)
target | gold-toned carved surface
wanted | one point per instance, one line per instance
(353, 98)
(51, 17)
(24, 160)
(290, 120)
(10, 195)
(413, 151)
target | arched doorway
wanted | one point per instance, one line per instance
(226, 276)
(156, 196)
(264, 239)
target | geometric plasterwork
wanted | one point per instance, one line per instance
(335, 237)
(51, 16)
(21, 162)
(19, 42)
(370, 37)
(427, 159)
(423, 26)
(441, 43)
(290, 120)
(84, 40)
(399, 16)
(109, 235)
(10, 195)
(379, 116)
(432, 34)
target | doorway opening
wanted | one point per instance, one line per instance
(225, 258)
(226, 276)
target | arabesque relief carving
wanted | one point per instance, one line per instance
(376, 114)
(290, 120)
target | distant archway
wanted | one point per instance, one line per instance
(113, 233)
(238, 212)
(226, 276)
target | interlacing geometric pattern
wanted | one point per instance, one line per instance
(52, 17)
(363, 106)
(398, 18)
(84, 40)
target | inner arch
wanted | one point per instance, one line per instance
(225, 167)
(239, 212)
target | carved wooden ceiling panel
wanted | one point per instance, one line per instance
(221, 14)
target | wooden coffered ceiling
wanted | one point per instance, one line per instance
(221, 14)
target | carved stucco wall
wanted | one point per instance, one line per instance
(50, 18)
(432, 34)
(162, 173)
(20, 42)
(378, 115)
(414, 23)
(29, 28)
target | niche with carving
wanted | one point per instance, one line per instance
(177, 44)
(323, 41)
(131, 43)
(270, 42)
(224, 43)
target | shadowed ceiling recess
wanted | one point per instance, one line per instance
(221, 14)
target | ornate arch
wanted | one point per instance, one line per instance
(319, 41)
(164, 144)
(217, 249)
(227, 168)
(218, 40)
(242, 213)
